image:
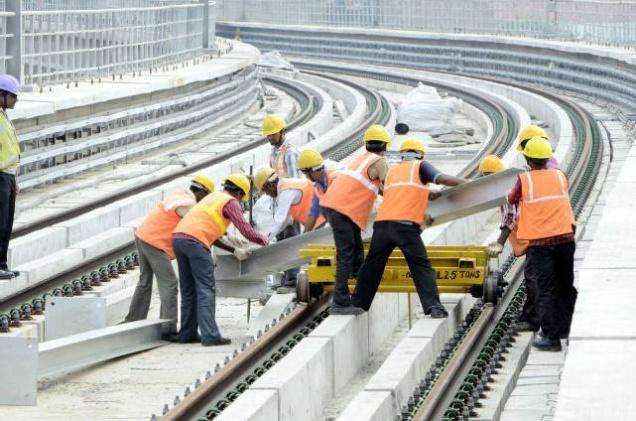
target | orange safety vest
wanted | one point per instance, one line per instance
(205, 221)
(353, 193)
(300, 210)
(157, 227)
(405, 196)
(280, 163)
(545, 209)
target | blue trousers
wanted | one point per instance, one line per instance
(198, 293)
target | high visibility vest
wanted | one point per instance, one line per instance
(205, 221)
(545, 209)
(157, 228)
(9, 144)
(299, 210)
(279, 163)
(353, 193)
(405, 196)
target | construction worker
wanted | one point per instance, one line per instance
(292, 203)
(153, 239)
(311, 164)
(284, 155)
(529, 319)
(399, 224)
(546, 221)
(347, 204)
(535, 131)
(192, 239)
(9, 160)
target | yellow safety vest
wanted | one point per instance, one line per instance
(9, 145)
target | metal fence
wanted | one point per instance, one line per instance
(594, 21)
(51, 41)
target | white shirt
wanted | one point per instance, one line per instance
(282, 218)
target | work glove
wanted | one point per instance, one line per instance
(242, 253)
(494, 249)
(234, 240)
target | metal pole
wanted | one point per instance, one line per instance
(251, 200)
(15, 49)
(206, 24)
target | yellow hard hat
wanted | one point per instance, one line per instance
(491, 164)
(241, 181)
(528, 133)
(308, 159)
(272, 124)
(538, 148)
(412, 145)
(376, 133)
(204, 182)
(261, 176)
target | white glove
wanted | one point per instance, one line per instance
(234, 241)
(242, 253)
(494, 249)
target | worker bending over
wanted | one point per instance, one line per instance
(398, 224)
(311, 164)
(153, 240)
(192, 239)
(9, 160)
(292, 198)
(347, 205)
(284, 156)
(546, 220)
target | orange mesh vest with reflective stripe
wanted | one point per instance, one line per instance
(280, 164)
(205, 221)
(545, 209)
(405, 196)
(352, 193)
(300, 210)
(157, 228)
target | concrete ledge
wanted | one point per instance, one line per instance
(90, 224)
(36, 245)
(369, 406)
(138, 206)
(49, 266)
(257, 405)
(300, 379)
(104, 242)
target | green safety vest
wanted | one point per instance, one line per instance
(9, 145)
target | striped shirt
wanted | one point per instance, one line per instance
(291, 160)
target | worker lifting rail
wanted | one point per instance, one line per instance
(458, 269)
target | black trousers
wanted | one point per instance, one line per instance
(530, 312)
(387, 235)
(8, 192)
(553, 267)
(291, 275)
(349, 253)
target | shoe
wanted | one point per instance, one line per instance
(285, 290)
(218, 341)
(546, 344)
(194, 340)
(6, 274)
(437, 312)
(170, 337)
(345, 310)
(526, 327)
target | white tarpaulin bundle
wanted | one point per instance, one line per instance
(275, 60)
(424, 110)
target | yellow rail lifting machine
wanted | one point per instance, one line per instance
(459, 269)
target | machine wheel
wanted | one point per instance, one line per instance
(303, 290)
(491, 289)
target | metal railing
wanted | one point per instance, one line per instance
(595, 21)
(44, 42)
